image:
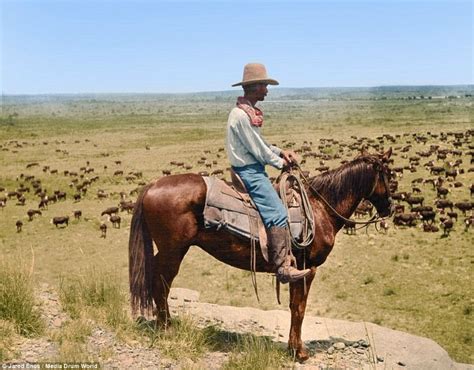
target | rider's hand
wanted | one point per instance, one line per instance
(289, 157)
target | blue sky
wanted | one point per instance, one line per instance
(97, 46)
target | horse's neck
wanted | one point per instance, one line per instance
(358, 185)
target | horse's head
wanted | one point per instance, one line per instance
(380, 194)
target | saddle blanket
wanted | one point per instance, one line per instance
(227, 208)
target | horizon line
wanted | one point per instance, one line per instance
(236, 90)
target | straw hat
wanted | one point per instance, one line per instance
(255, 73)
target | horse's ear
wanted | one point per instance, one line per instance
(386, 155)
(364, 152)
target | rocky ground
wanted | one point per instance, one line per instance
(334, 344)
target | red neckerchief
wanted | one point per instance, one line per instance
(255, 114)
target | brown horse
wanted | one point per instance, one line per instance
(169, 212)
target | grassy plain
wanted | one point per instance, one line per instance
(406, 279)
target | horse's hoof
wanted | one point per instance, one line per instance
(302, 355)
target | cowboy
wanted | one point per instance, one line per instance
(249, 153)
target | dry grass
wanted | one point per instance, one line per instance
(418, 291)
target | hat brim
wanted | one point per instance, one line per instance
(268, 81)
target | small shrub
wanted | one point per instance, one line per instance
(388, 292)
(254, 352)
(181, 339)
(75, 331)
(368, 280)
(100, 292)
(467, 310)
(394, 258)
(17, 301)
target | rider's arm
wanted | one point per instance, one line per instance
(253, 142)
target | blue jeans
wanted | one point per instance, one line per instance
(263, 194)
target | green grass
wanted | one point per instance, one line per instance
(180, 339)
(252, 352)
(7, 339)
(17, 301)
(95, 293)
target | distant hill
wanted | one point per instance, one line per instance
(277, 93)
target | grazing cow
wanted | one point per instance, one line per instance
(103, 229)
(436, 170)
(442, 192)
(428, 216)
(127, 206)
(217, 172)
(13, 194)
(118, 173)
(384, 226)
(430, 228)
(101, 194)
(110, 211)
(404, 219)
(399, 208)
(19, 225)
(399, 196)
(166, 172)
(464, 206)
(443, 204)
(420, 209)
(447, 226)
(115, 219)
(414, 200)
(468, 222)
(21, 200)
(43, 204)
(77, 214)
(77, 197)
(451, 174)
(61, 195)
(32, 212)
(62, 220)
(453, 215)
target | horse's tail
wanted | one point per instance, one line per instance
(140, 257)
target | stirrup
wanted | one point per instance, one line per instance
(289, 274)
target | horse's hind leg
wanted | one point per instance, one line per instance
(166, 267)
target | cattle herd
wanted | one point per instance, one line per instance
(431, 183)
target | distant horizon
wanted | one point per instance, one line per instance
(181, 47)
(239, 90)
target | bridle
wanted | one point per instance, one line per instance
(382, 171)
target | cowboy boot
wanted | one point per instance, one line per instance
(279, 249)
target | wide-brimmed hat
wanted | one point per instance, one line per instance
(255, 73)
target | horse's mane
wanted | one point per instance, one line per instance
(351, 177)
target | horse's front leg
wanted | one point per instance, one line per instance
(298, 298)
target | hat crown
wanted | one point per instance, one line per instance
(255, 73)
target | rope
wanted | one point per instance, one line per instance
(309, 224)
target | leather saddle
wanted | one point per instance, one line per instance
(229, 206)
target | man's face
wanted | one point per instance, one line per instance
(261, 91)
